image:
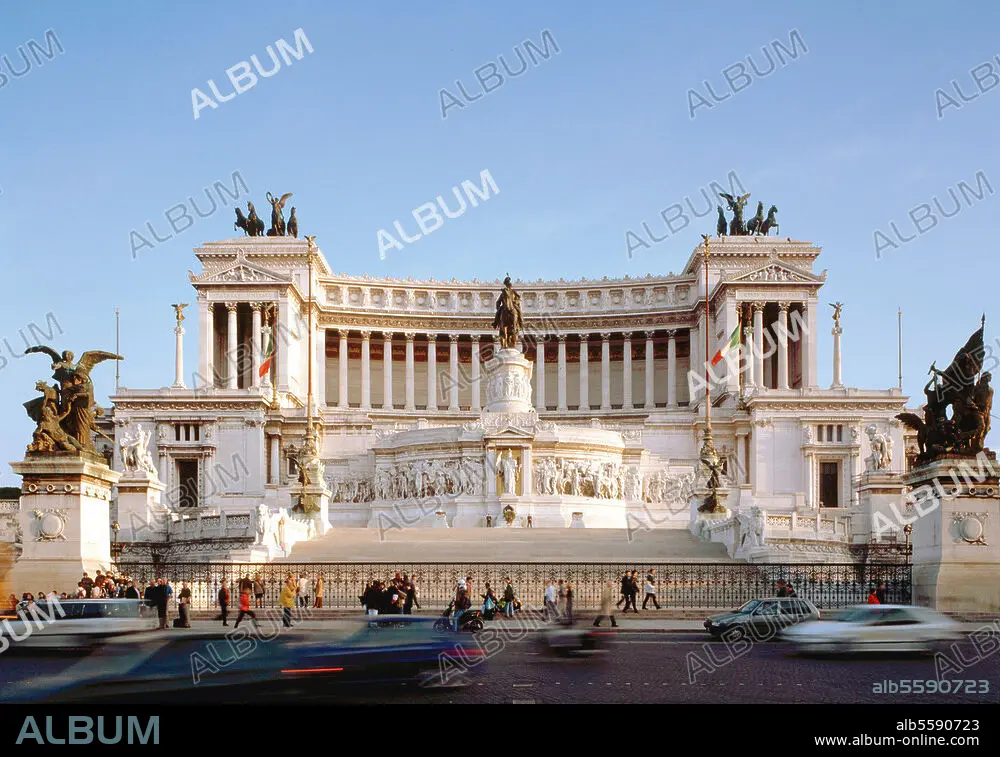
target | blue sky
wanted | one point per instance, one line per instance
(584, 146)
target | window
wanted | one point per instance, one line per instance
(840, 433)
(187, 475)
(829, 433)
(819, 433)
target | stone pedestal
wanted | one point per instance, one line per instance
(508, 382)
(65, 520)
(313, 501)
(880, 497)
(954, 509)
(141, 515)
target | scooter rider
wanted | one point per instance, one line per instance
(462, 603)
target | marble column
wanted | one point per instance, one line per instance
(283, 343)
(275, 459)
(410, 378)
(231, 345)
(561, 373)
(366, 371)
(672, 368)
(319, 370)
(206, 345)
(490, 474)
(255, 343)
(387, 370)
(837, 383)
(432, 372)
(782, 330)
(540, 372)
(343, 398)
(758, 344)
(605, 371)
(263, 336)
(731, 321)
(741, 458)
(808, 349)
(474, 374)
(179, 358)
(649, 402)
(627, 371)
(747, 348)
(453, 382)
(584, 372)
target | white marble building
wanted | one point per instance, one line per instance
(615, 422)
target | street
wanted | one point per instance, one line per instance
(653, 668)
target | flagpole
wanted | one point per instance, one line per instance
(117, 348)
(899, 343)
(708, 385)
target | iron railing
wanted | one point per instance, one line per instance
(679, 585)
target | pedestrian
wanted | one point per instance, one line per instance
(782, 591)
(318, 591)
(551, 612)
(489, 602)
(873, 597)
(462, 603)
(370, 598)
(633, 592)
(880, 592)
(569, 604)
(184, 606)
(411, 598)
(303, 591)
(12, 602)
(789, 590)
(561, 596)
(96, 591)
(149, 593)
(650, 593)
(606, 611)
(529, 522)
(258, 591)
(245, 608)
(86, 583)
(224, 603)
(624, 589)
(508, 598)
(286, 602)
(131, 592)
(160, 597)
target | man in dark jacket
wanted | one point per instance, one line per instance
(160, 598)
(880, 592)
(782, 591)
(633, 592)
(131, 592)
(224, 604)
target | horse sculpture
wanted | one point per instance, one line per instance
(754, 224)
(508, 316)
(255, 226)
(770, 222)
(241, 222)
(720, 226)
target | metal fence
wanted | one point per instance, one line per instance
(679, 585)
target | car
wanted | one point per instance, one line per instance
(74, 624)
(876, 628)
(564, 640)
(210, 667)
(764, 618)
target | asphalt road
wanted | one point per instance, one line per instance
(655, 668)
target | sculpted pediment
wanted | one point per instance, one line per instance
(242, 271)
(776, 270)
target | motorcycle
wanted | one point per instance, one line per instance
(471, 620)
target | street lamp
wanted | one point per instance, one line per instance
(116, 549)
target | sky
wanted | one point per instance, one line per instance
(846, 133)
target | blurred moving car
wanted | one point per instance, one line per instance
(72, 624)
(567, 640)
(764, 618)
(876, 628)
(211, 667)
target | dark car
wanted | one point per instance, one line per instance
(207, 667)
(764, 618)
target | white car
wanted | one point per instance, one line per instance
(75, 623)
(876, 628)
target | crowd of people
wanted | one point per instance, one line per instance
(397, 596)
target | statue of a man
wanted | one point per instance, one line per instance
(507, 468)
(508, 316)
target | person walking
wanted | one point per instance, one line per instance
(258, 592)
(318, 591)
(508, 598)
(789, 590)
(650, 589)
(224, 604)
(873, 597)
(303, 591)
(880, 592)
(569, 604)
(184, 606)
(782, 591)
(245, 608)
(286, 602)
(632, 592)
(411, 598)
(561, 597)
(606, 611)
(551, 612)
(160, 598)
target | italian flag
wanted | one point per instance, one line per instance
(265, 366)
(733, 343)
